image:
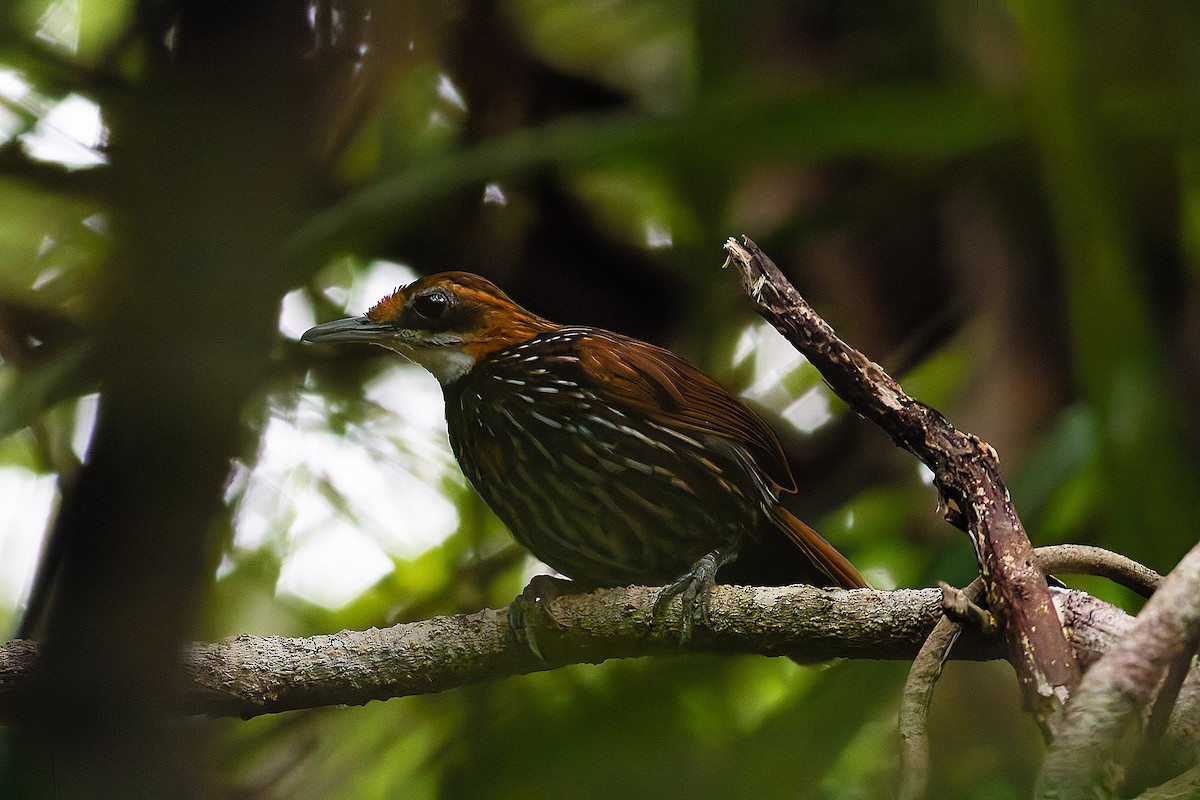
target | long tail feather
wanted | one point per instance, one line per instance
(824, 557)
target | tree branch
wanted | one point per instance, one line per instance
(245, 676)
(966, 471)
(1083, 760)
(1082, 559)
(1090, 623)
(918, 694)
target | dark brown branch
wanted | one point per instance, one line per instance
(966, 471)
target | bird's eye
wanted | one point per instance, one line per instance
(431, 306)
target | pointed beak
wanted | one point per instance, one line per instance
(351, 329)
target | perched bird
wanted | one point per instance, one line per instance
(613, 461)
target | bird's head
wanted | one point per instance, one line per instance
(446, 323)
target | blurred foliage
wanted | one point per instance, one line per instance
(998, 201)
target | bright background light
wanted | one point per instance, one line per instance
(336, 507)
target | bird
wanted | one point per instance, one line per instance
(614, 461)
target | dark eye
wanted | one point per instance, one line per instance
(430, 306)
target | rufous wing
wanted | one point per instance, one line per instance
(652, 382)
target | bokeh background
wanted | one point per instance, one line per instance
(998, 201)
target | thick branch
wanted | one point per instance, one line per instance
(1118, 688)
(1090, 624)
(967, 473)
(248, 675)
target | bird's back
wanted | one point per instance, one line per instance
(627, 472)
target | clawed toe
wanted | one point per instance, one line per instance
(693, 588)
(529, 609)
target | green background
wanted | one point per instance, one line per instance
(999, 202)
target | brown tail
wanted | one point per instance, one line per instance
(821, 553)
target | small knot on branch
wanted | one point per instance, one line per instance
(959, 607)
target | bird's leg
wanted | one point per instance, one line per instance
(531, 604)
(693, 587)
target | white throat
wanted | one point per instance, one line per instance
(447, 364)
(443, 357)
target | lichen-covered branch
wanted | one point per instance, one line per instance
(249, 675)
(245, 676)
(966, 471)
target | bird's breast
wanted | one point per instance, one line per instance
(600, 494)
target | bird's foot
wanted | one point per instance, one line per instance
(692, 588)
(530, 607)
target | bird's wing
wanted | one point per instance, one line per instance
(649, 381)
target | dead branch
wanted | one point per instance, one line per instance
(966, 471)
